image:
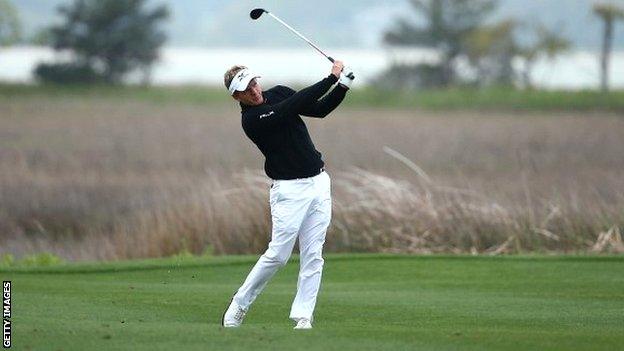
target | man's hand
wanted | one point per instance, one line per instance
(346, 78)
(337, 68)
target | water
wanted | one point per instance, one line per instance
(205, 66)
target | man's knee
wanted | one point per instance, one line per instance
(313, 258)
(282, 259)
(279, 258)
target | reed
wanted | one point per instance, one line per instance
(93, 180)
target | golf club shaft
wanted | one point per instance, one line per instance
(301, 36)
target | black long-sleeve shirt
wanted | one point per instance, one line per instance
(279, 132)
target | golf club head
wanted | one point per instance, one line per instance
(256, 13)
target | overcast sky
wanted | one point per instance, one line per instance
(345, 23)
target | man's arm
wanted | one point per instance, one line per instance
(327, 104)
(304, 98)
(270, 115)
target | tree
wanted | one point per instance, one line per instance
(41, 37)
(10, 28)
(490, 50)
(547, 44)
(609, 13)
(447, 25)
(409, 77)
(108, 37)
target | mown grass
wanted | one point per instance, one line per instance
(367, 302)
(450, 99)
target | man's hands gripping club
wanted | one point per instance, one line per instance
(345, 75)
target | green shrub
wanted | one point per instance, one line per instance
(7, 260)
(66, 73)
(43, 259)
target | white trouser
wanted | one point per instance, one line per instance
(299, 208)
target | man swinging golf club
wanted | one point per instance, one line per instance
(300, 195)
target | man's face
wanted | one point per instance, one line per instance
(252, 95)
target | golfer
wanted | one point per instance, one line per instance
(300, 196)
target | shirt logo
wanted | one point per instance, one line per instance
(267, 114)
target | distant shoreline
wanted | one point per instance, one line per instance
(204, 66)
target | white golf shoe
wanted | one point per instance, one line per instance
(233, 316)
(303, 323)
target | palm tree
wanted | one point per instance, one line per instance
(490, 50)
(548, 44)
(609, 13)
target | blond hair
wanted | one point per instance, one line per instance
(230, 74)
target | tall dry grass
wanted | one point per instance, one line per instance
(94, 180)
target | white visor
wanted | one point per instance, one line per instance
(241, 80)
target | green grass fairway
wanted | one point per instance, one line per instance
(367, 302)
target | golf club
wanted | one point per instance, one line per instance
(256, 13)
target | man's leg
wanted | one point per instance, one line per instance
(287, 216)
(311, 240)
